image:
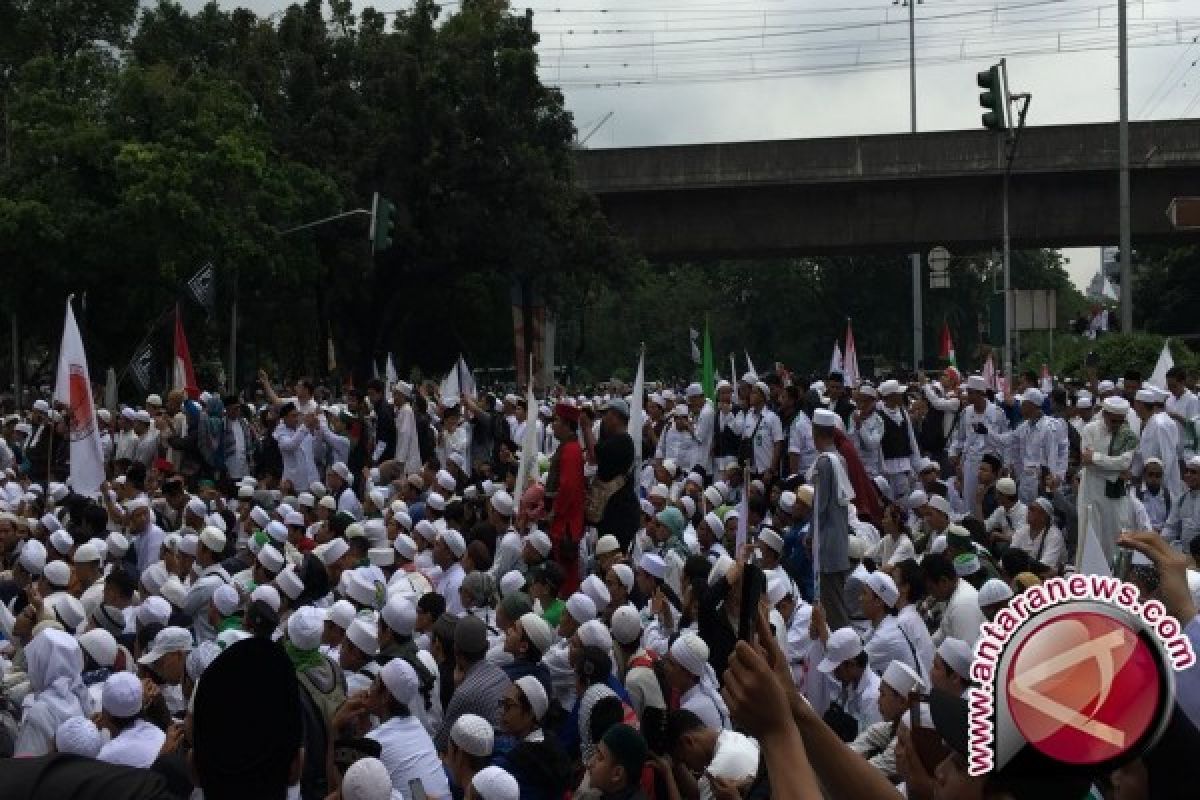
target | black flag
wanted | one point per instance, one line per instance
(203, 288)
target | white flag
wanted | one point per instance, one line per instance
(74, 390)
(1158, 378)
(835, 360)
(458, 382)
(1091, 560)
(529, 442)
(636, 413)
(850, 362)
(389, 374)
(750, 366)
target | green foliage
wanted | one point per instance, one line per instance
(1115, 352)
(206, 133)
(1166, 289)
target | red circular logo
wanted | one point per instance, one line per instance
(1083, 687)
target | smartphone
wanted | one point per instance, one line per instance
(753, 585)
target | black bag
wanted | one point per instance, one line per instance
(745, 451)
(844, 725)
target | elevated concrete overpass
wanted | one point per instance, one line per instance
(892, 193)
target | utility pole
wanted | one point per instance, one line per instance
(914, 258)
(1126, 248)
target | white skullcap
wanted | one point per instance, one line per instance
(713, 496)
(503, 503)
(538, 631)
(288, 582)
(307, 500)
(50, 523)
(78, 736)
(624, 574)
(719, 568)
(405, 546)
(260, 517)
(607, 544)
(100, 645)
(400, 615)
(173, 592)
(436, 501)
(382, 556)
(777, 589)
(646, 506)
(890, 387)
(270, 558)
(939, 503)
(33, 557)
(824, 418)
(473, 735)
(231, 636)
(626, 624)
(884, 588)
(363, 634)
(1033, 397)
(690, 652)
(594, 634)
(595, 588)
(305, 627)
(540, 542)
(197, 507)
(426, 530)
(535, 694)
(902, 679)
(659, 490)
(359, 586)
(842, 645)
(581, 608)
(367, 779)
(327, 502)
(653, 564)
(400, 679)
(118, 544)
(1115, 405)
(269, 595)
(341, 613)
(58, 574)
(68, 610)
(957, 655)
(226, 599)
(688, 506)
(122, 695)
(153, 611)
(493, 783)
(511, 582)
(334, 550)
(213, 538)
(455, 542)
(61, 541)
(994, 591)
(772, 540)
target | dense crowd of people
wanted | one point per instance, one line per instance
(774, 591)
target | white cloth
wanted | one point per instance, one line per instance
(700, 703)
(766, 434)
(408, 451)
(408, 753)
(886, 643)
(971, 447)
(1109, 516)
(962, 617)
(136, 746)
(867, 435)
(1046, 547)
(1160, 439)
(448, 586)
(296, 447)
(913, 626)
(892, 550)
(54, 663)
(1187, 405)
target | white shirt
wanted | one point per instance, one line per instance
(296, 447)
(408, 753)
(962, 617)
(448, 587)
(136, 746)
(910, 622)
(892, 550)
(1046, 547)
(1187, 406)
(766, 435)
(697, 701)
(886, 643)
(1008, 521)
(800, 444)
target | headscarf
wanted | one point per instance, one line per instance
(533, 506)
(594, 694)
(54, 665)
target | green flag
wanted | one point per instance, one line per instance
(706, 367)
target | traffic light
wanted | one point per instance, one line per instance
(383, 222)
(992, 99)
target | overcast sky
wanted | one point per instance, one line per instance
(688, 71)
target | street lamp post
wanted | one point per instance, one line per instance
(914, 258)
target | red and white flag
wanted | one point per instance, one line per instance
(184, 377)
(989, 374)
(850, 359)
(73, 389)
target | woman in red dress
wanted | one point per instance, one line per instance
(565, 488)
